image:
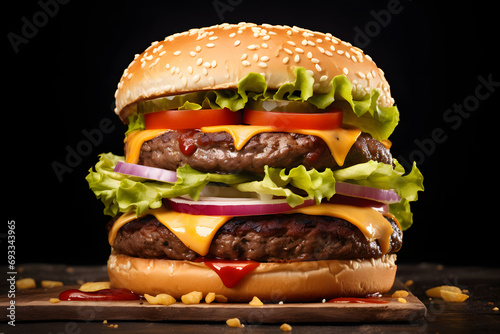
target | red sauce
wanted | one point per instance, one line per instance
(101, 295)
(231, 272)
(187, 144)
(354, 300)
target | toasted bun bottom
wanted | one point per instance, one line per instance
(274, 282)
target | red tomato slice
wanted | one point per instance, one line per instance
(191, 119)
(282, 120)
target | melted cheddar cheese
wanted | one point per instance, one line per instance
(339, 140)
(197, 231)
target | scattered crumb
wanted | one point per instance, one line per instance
(286, 327)
(409, 282)
(210, 297)
(51, 284)
(234, 322)
(402, 300)
(54, 300)
(400, 293)
(25, 283)
(495, 309)
(256, 302)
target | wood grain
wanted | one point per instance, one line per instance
(34, 305)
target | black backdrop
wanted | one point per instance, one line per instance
(64, 59)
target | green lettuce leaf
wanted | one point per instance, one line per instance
(379, 175)
(362, 112)
(276, 181)
(121, 193)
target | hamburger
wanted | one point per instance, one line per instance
(256, 163)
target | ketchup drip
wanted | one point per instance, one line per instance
(101, 295)
(231, 272)
(187, 144)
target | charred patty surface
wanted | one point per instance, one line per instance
(269, 238)
(215, 152)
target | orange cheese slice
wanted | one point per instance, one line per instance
(197, 231)
(339, 140)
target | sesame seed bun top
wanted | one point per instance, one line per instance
(218, 57)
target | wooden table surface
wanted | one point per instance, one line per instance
(475, 315)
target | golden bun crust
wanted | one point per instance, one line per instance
(217, 57)
(297, 281)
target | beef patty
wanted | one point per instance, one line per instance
(267, 238)
(215, 152)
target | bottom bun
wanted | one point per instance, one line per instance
(274, 282)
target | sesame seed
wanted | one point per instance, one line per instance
(154, 63)
(232, 35)
(211, 80)
(291, 43)
(255, 57)
(178, 52)
(334, 41)
(184, 81)
(204, 70)
(162, 53)
(285, 60)
(315, 60)
(214, 63)
(264, 45)
(192, 53)
(288, 51)
(252, 47)
(264, 58)
(347, 54)
(266, 37)
(299, 50)
(196, 78)
(262, 64)
(206, 64)
(361, 75)
(289, 32)
(304, 42)
(167, 66)
(311, 43)
(198, 48)
(245, 63)
(310, 73)
(213, 38)
(309, 55)
(346, 71)
(244, 56)
(297, 58)
(130, 75)
(340, 52)
(368, 75)
(237, 42)
(332, 48)
(323, 78)
(319, 40)
(149, 57)
(199, 61)
(328, 53)
(190, 69)
(318, 67)
(210, 45)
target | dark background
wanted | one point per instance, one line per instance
(62, 79)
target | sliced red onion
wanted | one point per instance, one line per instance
(379, 195)
(146, 172)
(216, 206)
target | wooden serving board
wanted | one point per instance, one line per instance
(34, 305)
